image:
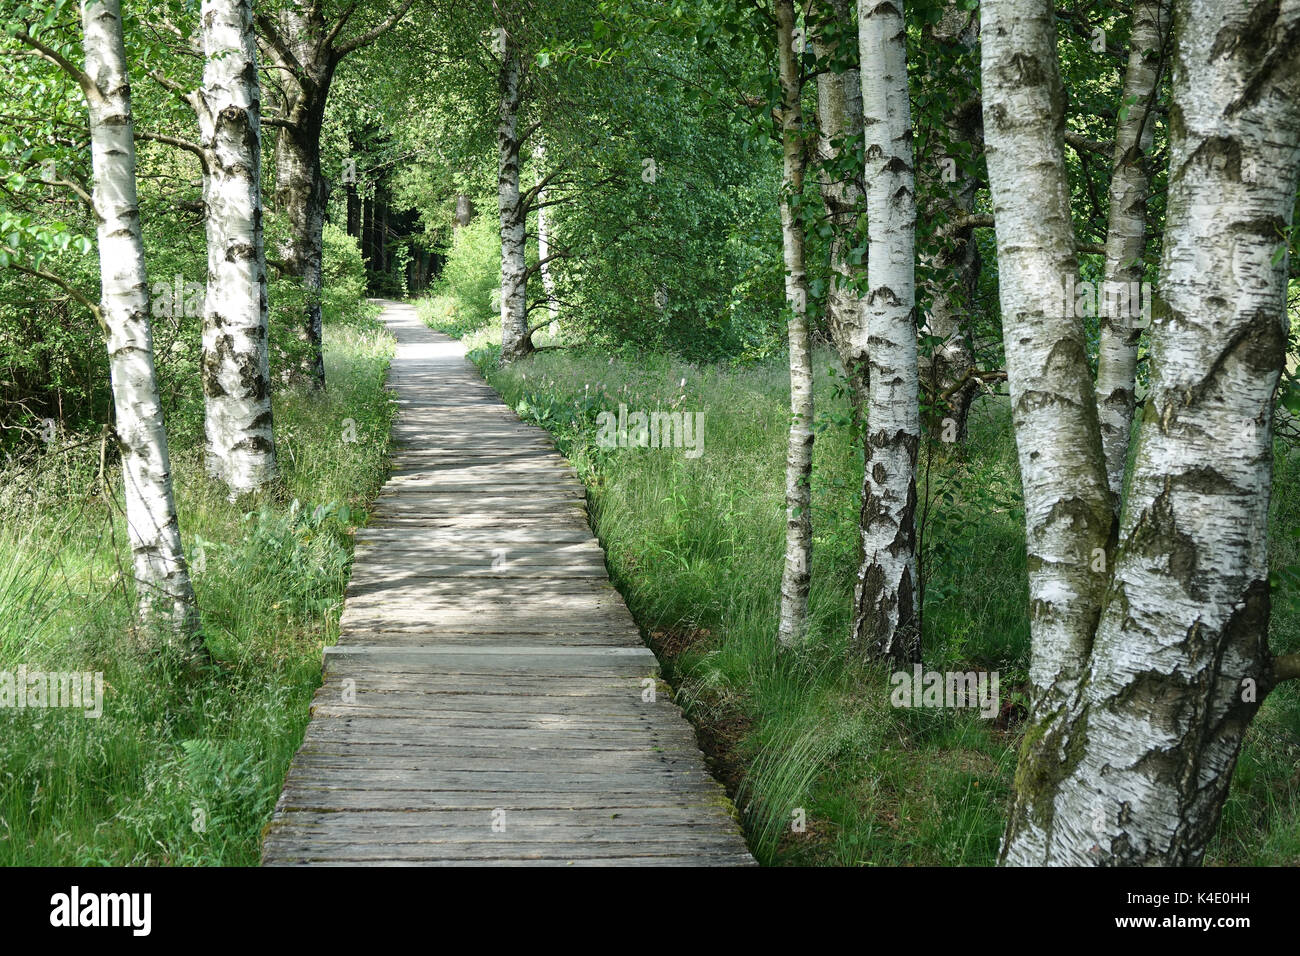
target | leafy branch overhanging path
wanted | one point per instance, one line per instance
(486, 701)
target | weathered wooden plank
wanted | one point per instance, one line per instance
(489, 701)
(297, 798)
(687, 860)
(524, 818)
(506, 781)
(489, 635)
(696, 852)
(494, 831)
(422, 735)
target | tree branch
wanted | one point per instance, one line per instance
(63, 284)
(536, 189)
(370, 36)
(81, 77)
(962, 223)
(536, 267)
(179, 143)
(284, 57)
(1081, 142)
(528, 131)
(980, 378)
(339, 24)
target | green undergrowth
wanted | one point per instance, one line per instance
(183, 770)
(696, 547)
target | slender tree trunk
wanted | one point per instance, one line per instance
(303, 51)
(544, 241)
(795, 579)
(354, 211)
(464, 213)
(954, 262)
(543, 251)
(301, 192)
(886, 619)
(1067, 500)
(1126, 234)
(839, 127)
(516, 341)
(1131, 746)
(381, 234)
(946, 372)
(164, 594)
(368, 234)
(236, 368)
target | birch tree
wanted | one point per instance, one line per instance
(1126, 232)
(839, 177)
(236, 368)
(516, 338)
(1150, 652)
(886, 619)
(1067, 505)
(795, 578)
(303, 49)
(949, 376)
(544, 237)
(165, 598)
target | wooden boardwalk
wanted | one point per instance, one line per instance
(487, 699)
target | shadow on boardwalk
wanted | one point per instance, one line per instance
(489, 700)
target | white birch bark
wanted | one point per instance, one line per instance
(1180, 659)
(544, 237)
(516, 341)
(1126, 233)
(886, 619)
(164, 595)
(1067, 500)
(954, 263)
(839, 122)
(236, 368)
(543, 254)
(795, 578)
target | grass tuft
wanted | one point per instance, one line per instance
(183, 770)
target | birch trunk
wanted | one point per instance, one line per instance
(1067, 498)
(795, 578)
(886, 617)
(1181, 661)
(543, 253)
(164, 595)
(544, 235)
(236, 369)
(301, 192)
(946, 372)
(954, 264)
(1126, 234)
(839, 125)
(516, 340)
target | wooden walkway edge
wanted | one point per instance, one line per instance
(489, 699)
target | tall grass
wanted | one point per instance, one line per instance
(182, 770)
(696, 547)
